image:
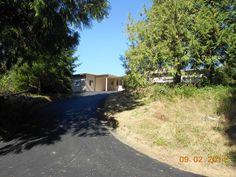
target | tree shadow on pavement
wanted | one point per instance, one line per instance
(22, 127)
(118, 102)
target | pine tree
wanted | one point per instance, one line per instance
(186, 34)
(163, 39)
(37, 40)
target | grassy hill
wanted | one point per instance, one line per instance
(188, 127)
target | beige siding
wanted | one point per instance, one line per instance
(90, 82)
(112, 83)
(100, 84)
(88, 79)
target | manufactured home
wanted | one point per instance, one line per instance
(91, 82)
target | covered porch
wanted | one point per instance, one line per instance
(109, 83)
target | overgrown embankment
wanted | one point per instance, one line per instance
(188, 127)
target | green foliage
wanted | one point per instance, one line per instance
(40, 76)
(171, 92)
(184, 34)
(163, 40)
(35, 37)
(134, 80)
(7, 84)
(214, 30)
(43, 27)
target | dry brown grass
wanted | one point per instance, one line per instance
(167, 130)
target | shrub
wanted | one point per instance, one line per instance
(171, 92)
(8, 83)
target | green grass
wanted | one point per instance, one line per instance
(183, 140)
(183, 91)
(161, 142)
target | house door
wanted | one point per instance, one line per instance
(112, 87)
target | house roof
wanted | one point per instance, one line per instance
(97, 75)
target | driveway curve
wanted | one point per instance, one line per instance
(69, 140)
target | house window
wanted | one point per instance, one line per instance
(77, 83)
(90, 82)
(117, 82)
(112, 83)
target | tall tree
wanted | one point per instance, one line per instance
(215, 30)
(37, 38)
(164, 38)
(32, 27)
(183, 34)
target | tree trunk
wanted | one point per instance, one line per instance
(210, 74)
(39, 87)
(177, 78)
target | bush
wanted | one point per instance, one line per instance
(135, 80)
(39, 77)
(8, 83)
(171, 92)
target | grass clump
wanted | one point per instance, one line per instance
(161, 142)
(182, 138)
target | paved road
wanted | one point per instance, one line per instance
(69, 140)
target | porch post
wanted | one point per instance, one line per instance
(106, 84)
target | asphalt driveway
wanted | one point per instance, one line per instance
(68, 139)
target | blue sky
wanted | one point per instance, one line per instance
(102, 45)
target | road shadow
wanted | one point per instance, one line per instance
(22, 127)
(118, 102)
(228, 108)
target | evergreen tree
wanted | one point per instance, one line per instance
(163, 39)
(184, 34)
(43, 27)
(215, 33)
(37, 37)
